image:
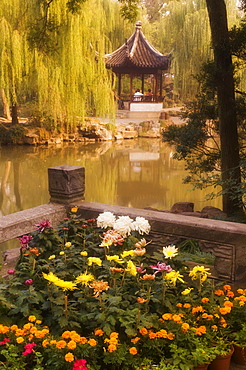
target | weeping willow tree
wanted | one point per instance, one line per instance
(184, 29)
(54, 58)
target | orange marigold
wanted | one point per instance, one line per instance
(185, 326)
(167, 316)
(201, 330)
(161, 333)
(61, 344)
(227, 287)
(224, 310)
(114, 335)
(152, 335)
(83, 340)
(69, 357)
(92, 342)
(99, 332)
(143, 331)
(170, 336)
(40, 334)
(66, 334)
(197, 309)
(20, 340)
(45, 343)
(219, 292)
(112, 348)
(133, 350)
(71, 344)
(75, 337)
(187, 305)
(135, 340)
(228, 304)
(205, 300)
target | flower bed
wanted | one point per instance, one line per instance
(93, 294)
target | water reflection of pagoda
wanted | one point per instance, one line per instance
(139, 179)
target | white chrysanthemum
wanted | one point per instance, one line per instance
(124, 225)
(170, 251)
(141, 225)
(106, 219)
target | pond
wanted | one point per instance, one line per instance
(134, 173)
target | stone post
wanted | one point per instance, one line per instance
(66, 184)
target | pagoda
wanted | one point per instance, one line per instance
(137, 58)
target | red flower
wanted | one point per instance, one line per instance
(29, 282)
(80, 365)
(4, 341)
(28, 348)
(44, 225)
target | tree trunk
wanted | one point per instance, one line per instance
(14, 114)
(230, 159)
(6, 110)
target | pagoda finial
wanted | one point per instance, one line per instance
(138, 25)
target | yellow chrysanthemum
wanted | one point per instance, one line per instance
(173, 277)
(199, 273)
(127, 253)
(186, 291)
(84, 279)
(65, 285)
(95, 260)
(52, 257)
(84, 254)
(50, 277)
(131, 268)
(115, 258)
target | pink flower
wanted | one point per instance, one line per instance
(44, 225)
(25, 240)
(140, 269)
(28, 348)
(29, 282)
(80, 365)
(161, 267)
(4, 341)
(11, 271)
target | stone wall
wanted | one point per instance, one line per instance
(226, 240)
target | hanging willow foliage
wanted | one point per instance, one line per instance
(53, 59)
(65, 71)
(184, 29)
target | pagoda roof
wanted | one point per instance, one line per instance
(137, 53)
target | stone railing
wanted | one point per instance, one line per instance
(226, 240)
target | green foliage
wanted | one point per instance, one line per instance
(189, 250)
(13, 135)
(197, 140)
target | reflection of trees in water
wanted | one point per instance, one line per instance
(3, 194)
(115, 173)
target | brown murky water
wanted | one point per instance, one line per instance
(135, 173)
